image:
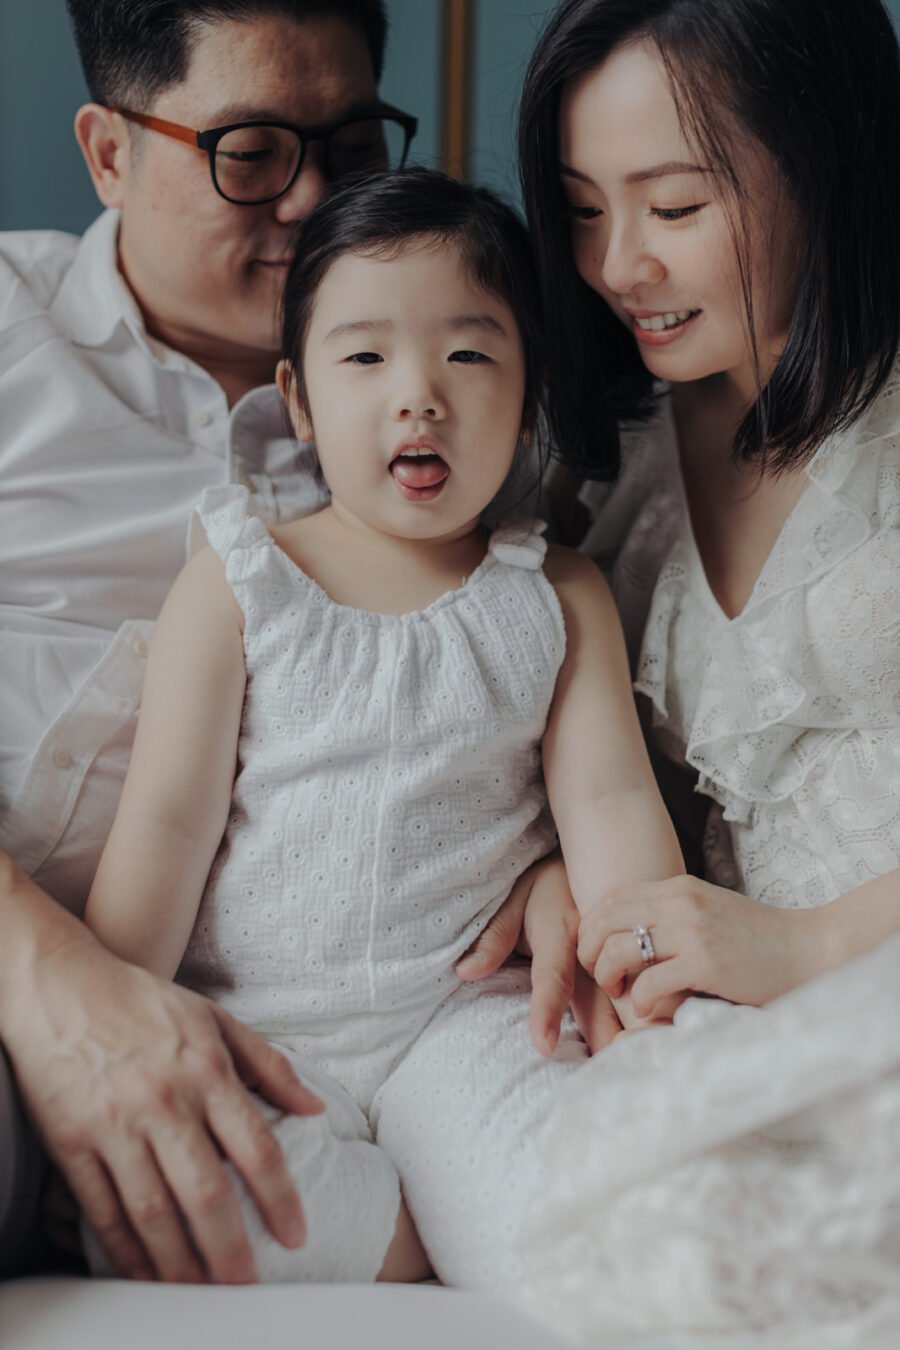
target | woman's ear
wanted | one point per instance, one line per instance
(297, 410)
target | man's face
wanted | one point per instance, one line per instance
(207, 272)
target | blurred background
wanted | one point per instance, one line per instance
(456, 64)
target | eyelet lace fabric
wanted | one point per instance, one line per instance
(736, 1177)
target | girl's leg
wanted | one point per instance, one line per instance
(461, 1118)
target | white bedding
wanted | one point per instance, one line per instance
(75, 1314)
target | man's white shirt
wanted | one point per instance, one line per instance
(107, 439)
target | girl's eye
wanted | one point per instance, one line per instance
(676, 212)
(364, 358)
(467, 358)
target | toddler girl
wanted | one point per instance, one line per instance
(351, 721)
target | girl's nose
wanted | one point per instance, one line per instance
(419, 397)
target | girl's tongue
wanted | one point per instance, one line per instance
(419, 471)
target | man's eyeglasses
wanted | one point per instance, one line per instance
(255, 162)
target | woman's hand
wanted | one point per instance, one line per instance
(539, 919)
(706, 939)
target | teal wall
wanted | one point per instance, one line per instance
(43, 181)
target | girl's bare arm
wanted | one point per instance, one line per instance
(175, 802)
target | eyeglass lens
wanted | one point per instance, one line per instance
(254, 163)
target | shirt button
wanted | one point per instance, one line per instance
(202, 418)
(61, 758)
(139, 647)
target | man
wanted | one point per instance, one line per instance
(136, 369)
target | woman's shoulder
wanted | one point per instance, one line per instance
(852, 461)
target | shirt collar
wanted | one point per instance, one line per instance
(94, 297)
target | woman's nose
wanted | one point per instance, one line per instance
(628, 263)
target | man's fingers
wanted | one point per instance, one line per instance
(250, 1144)
(152, 1212)
(595, 1016)
(263, 1067)
(208, 1201)
(105, 1216)
(498, 941)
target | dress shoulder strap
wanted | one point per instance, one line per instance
(223, 519)
(519, 543)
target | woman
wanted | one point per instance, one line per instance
(712, 187)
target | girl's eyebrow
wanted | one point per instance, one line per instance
(357, 326)
(671, 166)
(486, 323)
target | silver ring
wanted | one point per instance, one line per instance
(645, 944)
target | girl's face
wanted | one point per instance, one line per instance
(653, 231)
(415, 384)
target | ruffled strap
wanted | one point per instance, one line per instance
(223, 519)
(519, 544)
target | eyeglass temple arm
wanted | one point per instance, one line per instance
(173, 129)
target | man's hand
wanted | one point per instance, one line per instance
(539, 919)
(138, 1089)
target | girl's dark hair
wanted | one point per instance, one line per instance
(384, 213)
(133, 49)
(817, 83)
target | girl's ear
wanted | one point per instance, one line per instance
(297, 410)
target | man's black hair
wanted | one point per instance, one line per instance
(817, 83)
(131, 50)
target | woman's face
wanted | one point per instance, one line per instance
(653, 230)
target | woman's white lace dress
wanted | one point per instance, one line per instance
(740, 1172)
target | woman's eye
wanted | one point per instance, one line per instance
(676, 212)
(468, 358)
(584, 212)
(364, 359)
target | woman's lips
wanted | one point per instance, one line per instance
(656, 330)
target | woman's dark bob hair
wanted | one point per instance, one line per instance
(381, 215)
(817, 83)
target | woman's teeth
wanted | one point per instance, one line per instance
(657, 322)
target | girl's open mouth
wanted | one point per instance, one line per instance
(419, 473)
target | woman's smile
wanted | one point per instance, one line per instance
(650, 218)
(657, 329)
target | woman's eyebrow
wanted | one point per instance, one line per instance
(671, 166)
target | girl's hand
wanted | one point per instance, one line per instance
(539, 919)
(706, 939)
